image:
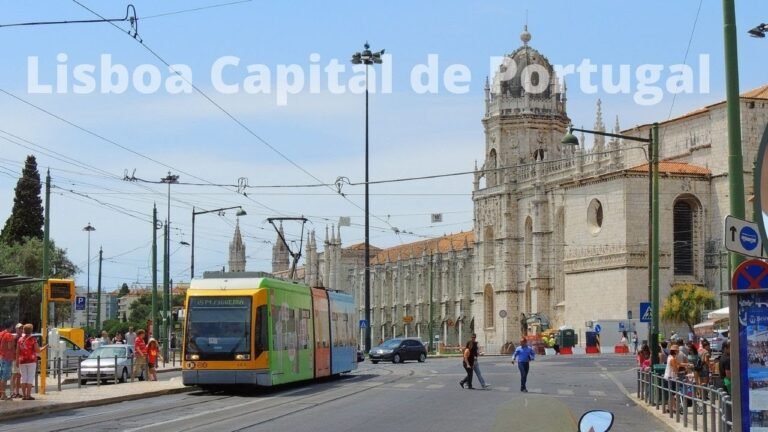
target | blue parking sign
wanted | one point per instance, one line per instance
(79, 303)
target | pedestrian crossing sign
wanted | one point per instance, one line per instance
(645, 312)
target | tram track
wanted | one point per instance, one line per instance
(192, 414)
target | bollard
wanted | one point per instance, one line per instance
(116, 381)
(98, 371)
(58, 372)
(79, 376)
(132, 368)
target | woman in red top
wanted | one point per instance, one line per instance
(153, 354)
(26, 356)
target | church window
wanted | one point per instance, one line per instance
(683, 238)
(488, 246)
(488, 306)
(595, 216)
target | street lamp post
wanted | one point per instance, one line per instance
(367, 58)
(240, 212)
(170, 179)
(653, 241)
(88, 228)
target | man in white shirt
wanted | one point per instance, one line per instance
(130, 337)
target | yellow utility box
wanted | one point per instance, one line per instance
(75, 335)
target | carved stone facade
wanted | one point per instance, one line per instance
(558, 231)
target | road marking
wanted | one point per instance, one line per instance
(565, 392)
(596, 393)
(205, 413)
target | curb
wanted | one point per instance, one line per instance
(57, 407)
(74, 380)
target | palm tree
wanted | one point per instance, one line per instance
(686, 303)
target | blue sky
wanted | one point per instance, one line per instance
(315, 136)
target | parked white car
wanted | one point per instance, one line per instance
(103, 362)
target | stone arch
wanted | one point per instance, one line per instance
(488, 306)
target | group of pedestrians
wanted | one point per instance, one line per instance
(523, 355)
(18, 360)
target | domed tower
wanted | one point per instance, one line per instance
(525, 114)
(525, 119)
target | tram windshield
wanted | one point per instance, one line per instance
(218, 328)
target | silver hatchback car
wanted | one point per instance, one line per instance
(100, 365)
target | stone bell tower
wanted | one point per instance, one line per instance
(525, 119)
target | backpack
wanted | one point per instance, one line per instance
(698, 364)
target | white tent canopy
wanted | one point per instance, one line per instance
(718, 314)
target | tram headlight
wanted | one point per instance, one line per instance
(193, 357)
(242, 357)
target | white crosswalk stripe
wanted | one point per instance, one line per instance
(565, 392)
(596, 393)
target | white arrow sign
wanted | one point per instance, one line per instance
(742, 237)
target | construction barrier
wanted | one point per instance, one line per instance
(566, 350)
(621, 349)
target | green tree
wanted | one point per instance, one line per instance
(26, 220)
(686, 303)
(27, 259)
(124, 290)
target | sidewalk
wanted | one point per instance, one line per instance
(91, 395)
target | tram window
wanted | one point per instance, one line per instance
(262, 327)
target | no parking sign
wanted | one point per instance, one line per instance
(751, 274)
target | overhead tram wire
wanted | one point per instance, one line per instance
(197, 9)
(225, 112)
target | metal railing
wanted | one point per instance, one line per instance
(704, 407)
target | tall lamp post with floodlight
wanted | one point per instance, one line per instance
(759, 31)
(240, 212)
(367, 58)
(652, 157)
(170, 179)
(89, 229)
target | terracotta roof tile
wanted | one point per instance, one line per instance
(674, 168)
(437, 245)
(758, 93)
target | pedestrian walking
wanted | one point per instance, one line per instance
(468, 363)
(153, 354)
(476, 366)
(139, 354)
(26, 355)
(524, 356)
(634, 342)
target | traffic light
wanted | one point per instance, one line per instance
(61, 290)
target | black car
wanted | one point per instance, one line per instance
(399, 350)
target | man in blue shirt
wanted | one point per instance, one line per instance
(524, 355)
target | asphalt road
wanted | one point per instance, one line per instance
(387, 397)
